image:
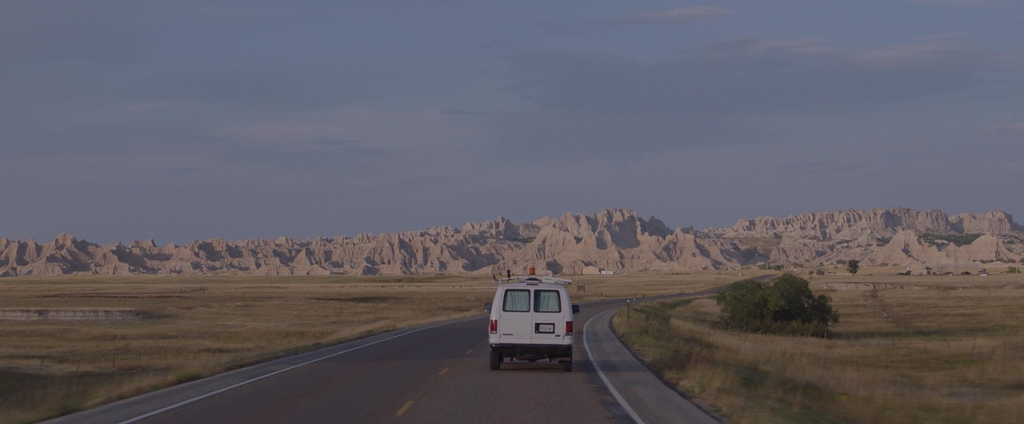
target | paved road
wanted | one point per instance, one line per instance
(427, 374)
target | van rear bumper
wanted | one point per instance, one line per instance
(554, 351)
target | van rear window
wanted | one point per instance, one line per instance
(547, 301)
(516, 301)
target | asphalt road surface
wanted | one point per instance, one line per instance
(429, 374)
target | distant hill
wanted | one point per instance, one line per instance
(613, 239)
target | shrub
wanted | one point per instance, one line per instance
(786, 305)
(853, 266)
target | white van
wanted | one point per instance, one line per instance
(531, 319)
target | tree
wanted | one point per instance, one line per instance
(791, 299)
(786, 298)
(744, 305)
(853, 265)
(785, 305)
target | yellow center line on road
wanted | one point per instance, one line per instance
(469, 351)
(444, 371)
(404, 408)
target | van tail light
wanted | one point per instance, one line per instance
(568, 328)
(494, 326)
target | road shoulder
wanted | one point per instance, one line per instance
(642, 392)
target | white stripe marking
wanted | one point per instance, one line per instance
(237, 385)
(615, 393)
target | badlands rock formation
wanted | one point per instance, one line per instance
(614, 239)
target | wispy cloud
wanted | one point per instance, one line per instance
(1016, 127)
(948, 55)
(721, 78)
(671, 17)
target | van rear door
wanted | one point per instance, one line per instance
(548, 317)
(514, 323)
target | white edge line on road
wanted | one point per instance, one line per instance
(237, 385)
(607, 383)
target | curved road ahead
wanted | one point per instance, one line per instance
(428, 374)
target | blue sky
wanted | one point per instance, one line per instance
(178, 120)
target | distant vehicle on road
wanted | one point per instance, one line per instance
(531, 319)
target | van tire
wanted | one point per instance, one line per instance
(495, 360)
(567, 365)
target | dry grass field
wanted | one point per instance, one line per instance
(906, 350)
(105, 338)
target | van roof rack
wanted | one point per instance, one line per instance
(533, 279)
